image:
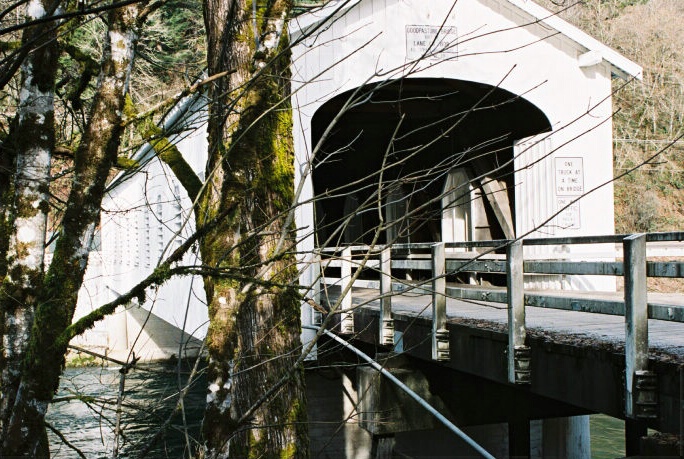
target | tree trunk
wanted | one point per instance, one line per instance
(22, 244)
(23, 434)
(253, 337)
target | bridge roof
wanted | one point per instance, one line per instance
(620, 65)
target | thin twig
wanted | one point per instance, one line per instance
(65, 441)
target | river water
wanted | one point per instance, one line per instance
(86, 408)
(87, 413)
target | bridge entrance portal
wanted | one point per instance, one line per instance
(433, 152)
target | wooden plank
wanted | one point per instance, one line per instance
(488, 265)
(597, 268)
(496, 193)
(665, 269)
(673, 236)
(481, 266)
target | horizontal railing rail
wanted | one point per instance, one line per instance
(441, 260)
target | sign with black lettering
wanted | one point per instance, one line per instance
(569, 177)
(569, 217)
(431, 42)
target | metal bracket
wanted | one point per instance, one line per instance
(347, 323)
(387, 335)
(645, 395)
(442, 345)
(521, 362)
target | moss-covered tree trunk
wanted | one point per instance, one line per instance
(253, 337)
(27, 153)
(51, 296)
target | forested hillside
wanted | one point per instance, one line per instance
(170, 56)
(650, 113)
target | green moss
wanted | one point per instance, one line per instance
(170, 154)
(254, 446)
(222, 318)
(289, 452)
(82, 361)
(295, 413)
(127, 163)
(161, 274)
(129, 109)
(7, 46)
(257, 185)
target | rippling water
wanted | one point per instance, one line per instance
(607, 437)
(86, 415)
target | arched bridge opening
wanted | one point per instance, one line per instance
(432, 158)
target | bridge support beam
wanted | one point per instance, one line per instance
(384, 409)
(519, 438)
(382, 447)
(315, 292)
(635, 429)
(566, 437)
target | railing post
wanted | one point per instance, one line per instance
(316, 281)
(440, 333)
(518, 352)
(640, 383)
(347, 316)
(386, 321)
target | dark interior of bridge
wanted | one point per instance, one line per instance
(402, 138)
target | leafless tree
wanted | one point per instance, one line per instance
(243, 212)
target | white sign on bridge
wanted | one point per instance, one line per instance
(569, 177)
(569, 217)
(431, 42)
(569, 183)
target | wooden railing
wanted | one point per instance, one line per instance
(442, 260)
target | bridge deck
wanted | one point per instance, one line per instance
(665, 338)
(577, 358)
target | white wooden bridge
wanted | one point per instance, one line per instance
(617, 353)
